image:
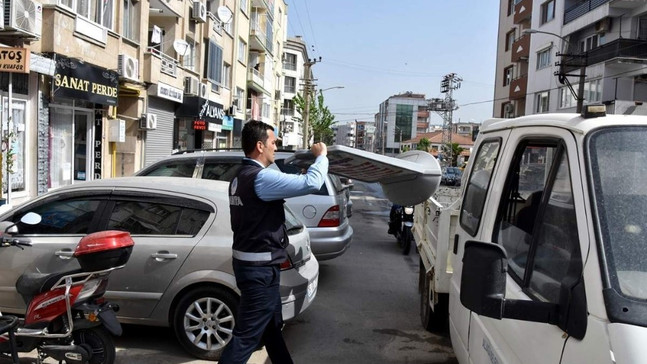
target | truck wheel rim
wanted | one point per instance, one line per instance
(209, 323)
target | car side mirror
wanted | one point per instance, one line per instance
(483, 284)
(483, 280)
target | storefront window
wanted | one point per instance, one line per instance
(14, 133)
(69, 132)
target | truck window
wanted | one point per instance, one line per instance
(477, 186)
(539, 233)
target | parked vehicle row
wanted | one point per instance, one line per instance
(179, 273)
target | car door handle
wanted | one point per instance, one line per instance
(64, 254)
(164, 255)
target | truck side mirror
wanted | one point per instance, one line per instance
(483, 279)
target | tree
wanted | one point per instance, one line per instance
(456, 151)
(320, 118)
(424, 144)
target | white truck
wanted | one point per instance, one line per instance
(543, 258)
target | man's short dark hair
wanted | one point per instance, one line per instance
(253, 132)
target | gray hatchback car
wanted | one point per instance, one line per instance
(325, 213)
(179, 274)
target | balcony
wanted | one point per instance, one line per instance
(581, 8)
(521, 48)
(519, 87)
(256, 81)
(159, 67)
(626, 4)
(620, 50)
(522, 11)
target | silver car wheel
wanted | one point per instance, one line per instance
(209, 323)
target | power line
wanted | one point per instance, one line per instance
(314, 39)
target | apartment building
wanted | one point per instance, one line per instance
(112, 86)
(365, 135)
(598, 46)
(345, 134)
(398, 119)
(295, 55)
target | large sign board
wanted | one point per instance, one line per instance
(79, 80)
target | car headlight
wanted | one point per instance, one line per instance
(408, 210)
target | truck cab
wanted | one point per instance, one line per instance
(548, 256)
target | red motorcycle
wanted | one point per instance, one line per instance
(67, 317)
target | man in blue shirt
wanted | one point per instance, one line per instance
(256, 198)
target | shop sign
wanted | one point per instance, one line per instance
(14, 60)
(228, 122)
(209, 111)
(216, 128)
(78, 80)
(168, 92)
(199, 125)
(98, 138)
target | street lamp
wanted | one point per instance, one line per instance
(329, 88)
(562, 77)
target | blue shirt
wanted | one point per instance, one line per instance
(272, 184)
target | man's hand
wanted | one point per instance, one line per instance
(318, 149)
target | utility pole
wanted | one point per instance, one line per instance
(445, 108)
(308, 87)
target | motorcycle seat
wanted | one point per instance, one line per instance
(31, 284)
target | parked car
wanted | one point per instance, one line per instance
(451, 176)
(180, 272)
(325, 213)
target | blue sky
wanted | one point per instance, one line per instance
(376, 49)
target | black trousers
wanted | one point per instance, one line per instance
(259, 316)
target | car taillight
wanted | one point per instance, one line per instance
(331, 218)
(287, 264)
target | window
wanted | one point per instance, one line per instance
(547, 11)
(242, 51)
(226, 75)
(290, 85)
(566, 98)
(18, 147)
(477, 186)
(290, 61)
(62, 217)
(243, 6)
(214, 64)
(148, 218)
(589, 43)
(509, 39)
(131, 20)
(543, 58)
(507, 75)
(98, 11)
(188, 60)
(174, 169)
(229, 27)
(536, 221)
(593, 91)
(239, 98)
(510, 7)
(541, 102)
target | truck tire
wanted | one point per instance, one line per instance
(434, 319)
(407, 238)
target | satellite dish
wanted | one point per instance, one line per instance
(180, 46)
(224, 14)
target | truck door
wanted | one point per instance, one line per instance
(533, 216)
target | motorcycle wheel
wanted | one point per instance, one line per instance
(406, 241)
(101, 344)
(204, 320)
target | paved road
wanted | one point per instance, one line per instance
(366, 310)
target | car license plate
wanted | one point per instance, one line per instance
(312, 289)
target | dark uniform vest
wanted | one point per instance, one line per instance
(260, 237)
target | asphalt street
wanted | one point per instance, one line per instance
(366, 309)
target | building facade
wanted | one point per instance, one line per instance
(294, 57)
(111, 87)
(599, 46)
(397, 120)
(345, 134)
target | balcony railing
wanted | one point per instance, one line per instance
(581, 8)
(522, 11)
(630, 49)
(519, 87)
(169, 64)
(521, 48)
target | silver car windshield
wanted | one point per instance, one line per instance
(617, 159)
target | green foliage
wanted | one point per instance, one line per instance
(456, 151)
(320, 119)
(424, 144)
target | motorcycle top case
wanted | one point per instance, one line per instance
(104, 250)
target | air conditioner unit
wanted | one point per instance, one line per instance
(128, 67)
(148, 121)
(191, 85)
(23, 17)
(602, 26)
(204, 90)
(199, 12)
